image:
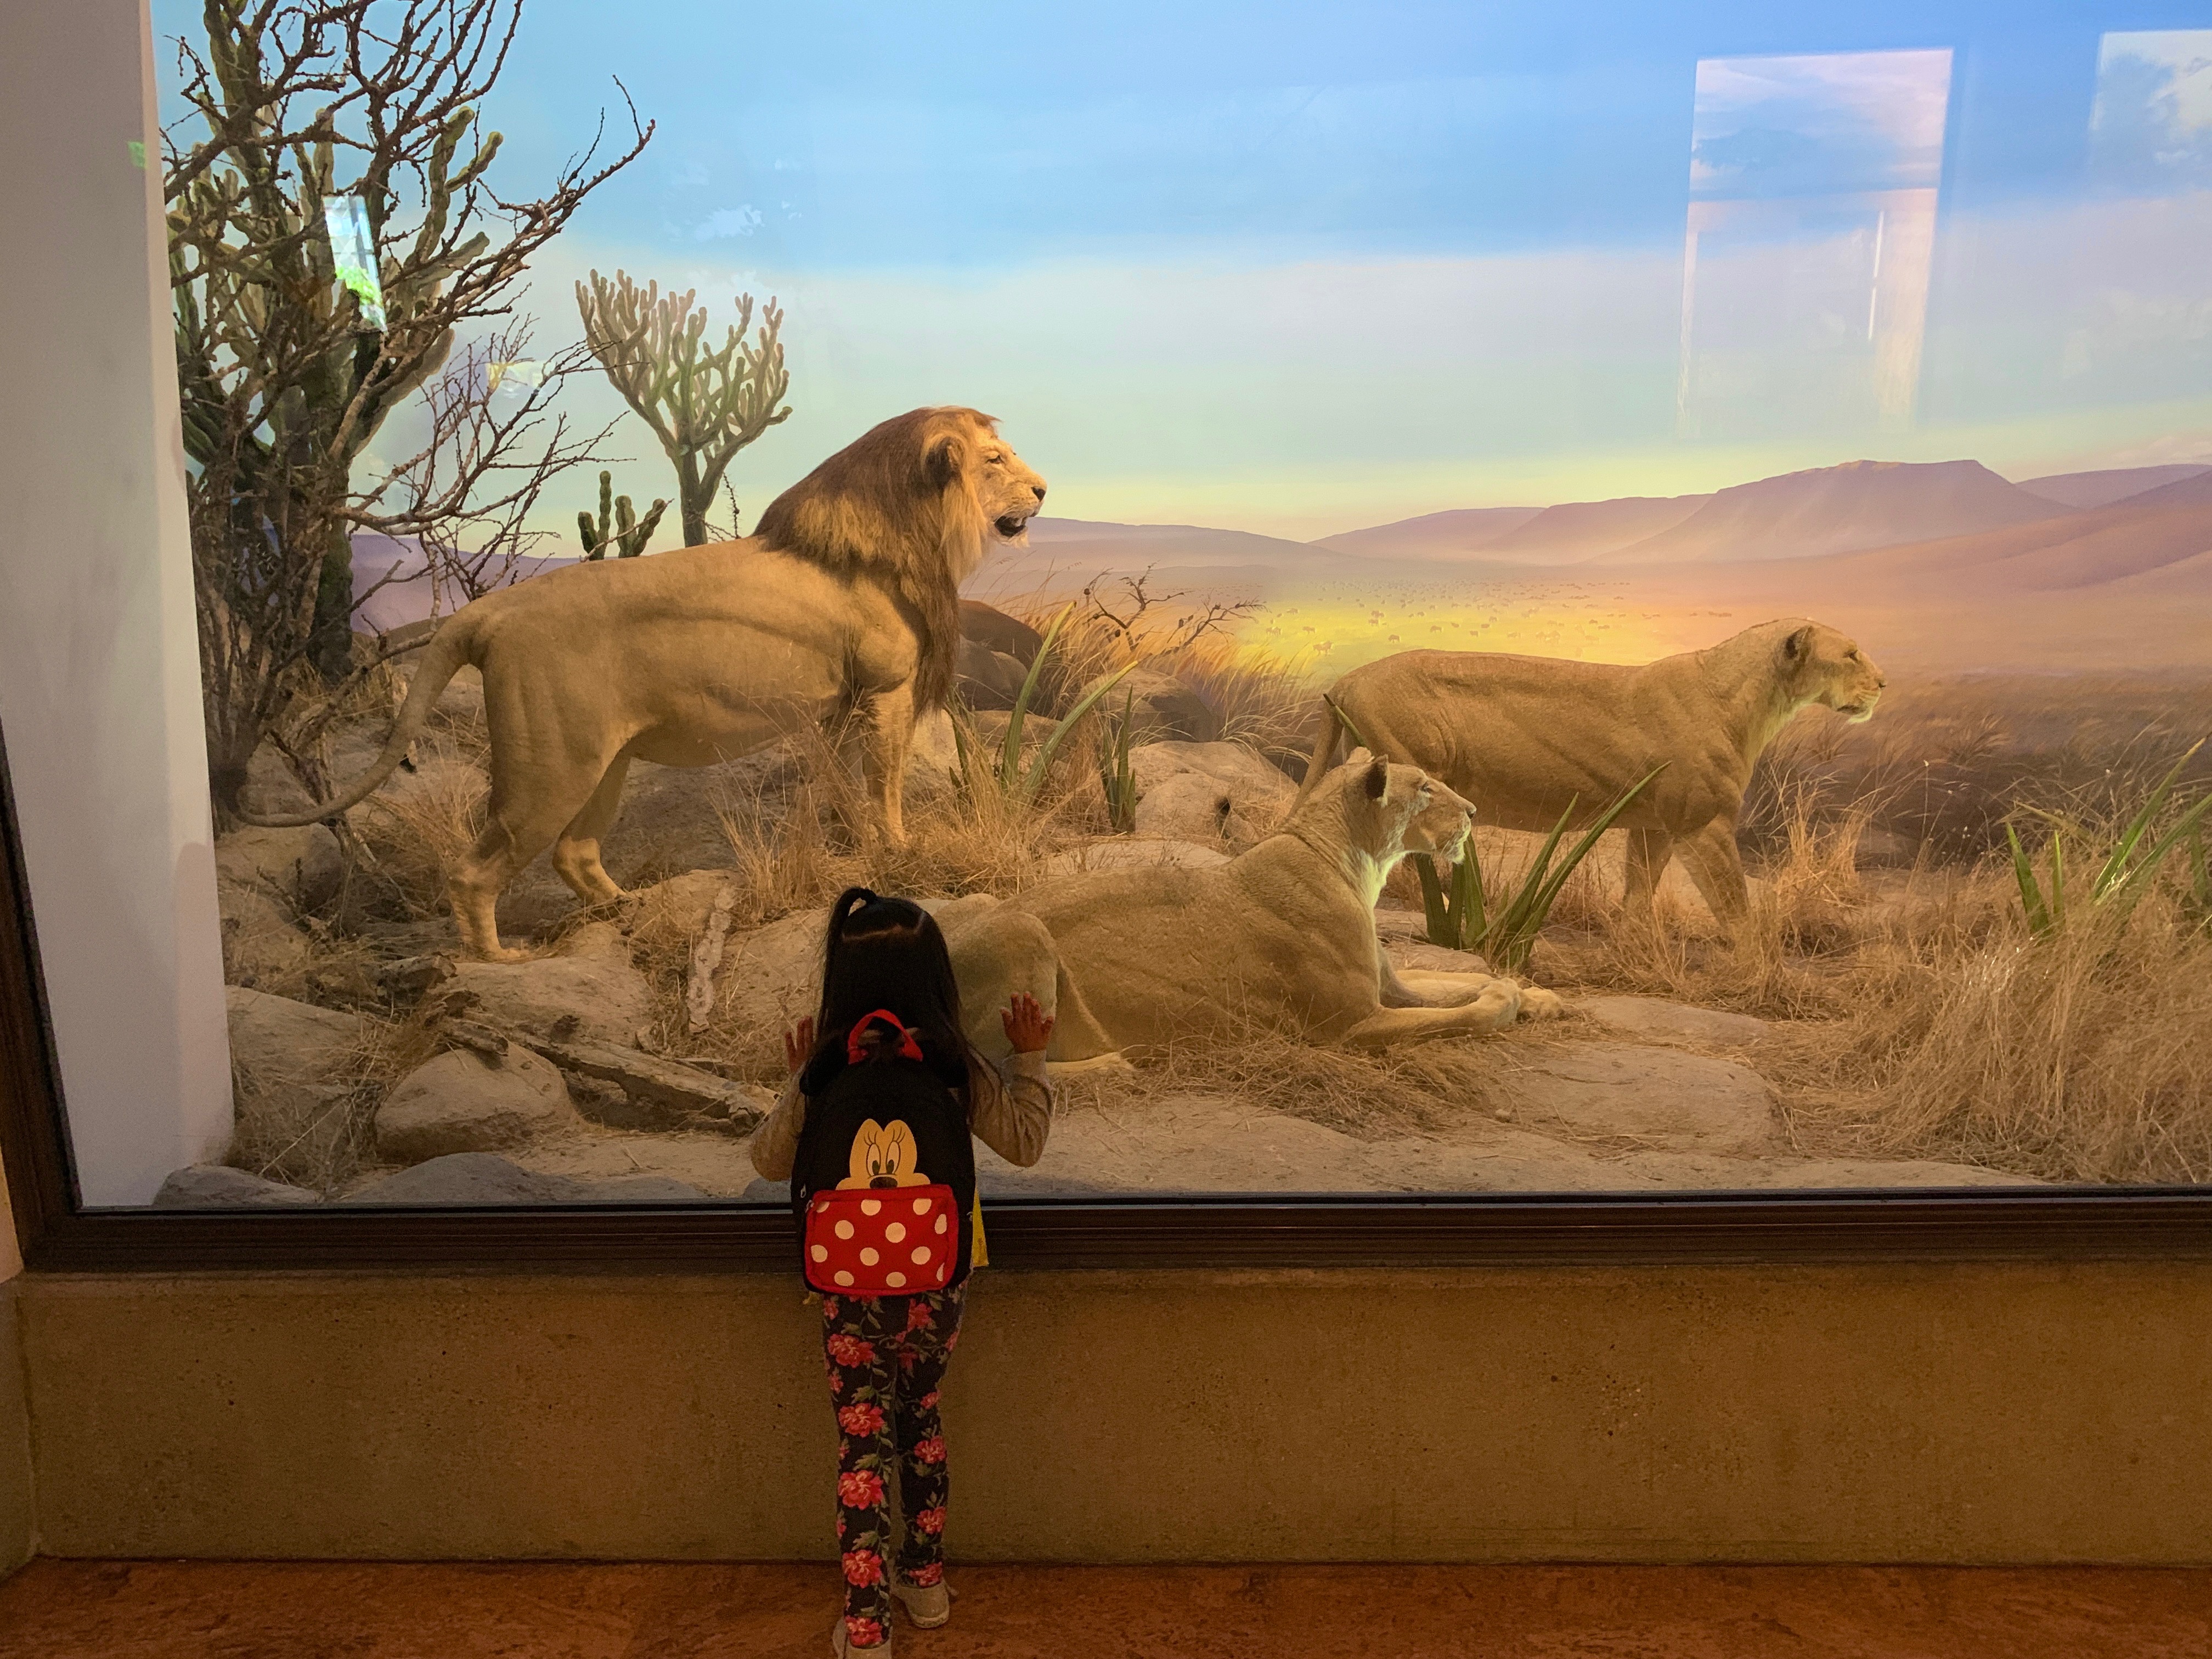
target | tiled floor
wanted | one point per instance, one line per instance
(227, 1610)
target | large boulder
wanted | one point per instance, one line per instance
(1207, 791)
(261, 943)
(293, 1067)
(217, 1186)
(487, 1178)
(1163, 709)
(277, 1043)
(988, 678)
(1661, 1098)
(589, 990)
(1647, 1017)
(462, 1101)
(994, 630)
(772, 975)
(300, 867)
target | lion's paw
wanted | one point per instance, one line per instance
(1537, 1002)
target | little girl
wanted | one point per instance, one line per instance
(888, 993)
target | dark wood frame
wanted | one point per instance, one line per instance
(1291, 1230)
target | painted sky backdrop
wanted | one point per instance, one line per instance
(1301, 268)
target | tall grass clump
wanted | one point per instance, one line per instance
(2079, 1055)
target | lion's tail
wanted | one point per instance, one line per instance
(451, 648)
(1327, 732)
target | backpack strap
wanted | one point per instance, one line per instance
(855, 1052)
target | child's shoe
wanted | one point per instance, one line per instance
(927, 1605)
(841, 1643)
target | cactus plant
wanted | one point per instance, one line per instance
(617, 527)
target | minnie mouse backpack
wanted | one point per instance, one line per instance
(884, 1179)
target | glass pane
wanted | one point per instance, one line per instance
(1782, 457)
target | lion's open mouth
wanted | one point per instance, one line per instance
(1011, 524)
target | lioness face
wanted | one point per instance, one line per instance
(1009, 491)
(1834, 672)
(1438, 821)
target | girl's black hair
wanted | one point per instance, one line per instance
(888, 953)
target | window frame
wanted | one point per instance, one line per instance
(1223, 1231)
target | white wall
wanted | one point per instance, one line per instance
(99, 663)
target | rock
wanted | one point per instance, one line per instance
(1662, 1097)
(767, 1191)
(988, 678)
(933, 763)
(771, 977)
(1420, 954)
(487, 1178)
(589, 993)
(1162, 708)
(663, 1092)
(1395, 923)
(300, 867)
(262, 944)
(466, 1178)
(638, 1189)
(464, 1102)
(210, 1186)
(274, 1041)
(994, 630)
(1656, 1017)
(1195, 791)
(680, 905)
(1135, 853)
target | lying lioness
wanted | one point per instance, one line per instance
(1282, 936)
(1523, 735)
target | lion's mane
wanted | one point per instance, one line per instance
(899, 507)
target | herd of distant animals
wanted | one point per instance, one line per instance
(841, 611)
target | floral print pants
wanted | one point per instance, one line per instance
(887, 1357)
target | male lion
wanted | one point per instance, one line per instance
(1522, 735)
(843, 605)
(1282, 935)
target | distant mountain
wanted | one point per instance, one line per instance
(2087, 491)
(1073, 545)
(1575, 531)
(2122, 543)
(2194, 489)
(1839, 509)
(1457, 534)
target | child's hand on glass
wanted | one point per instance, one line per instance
(798, 1046)
(1029, 1028)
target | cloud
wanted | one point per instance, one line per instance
(742, 221)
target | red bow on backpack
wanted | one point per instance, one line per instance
(854, 1052)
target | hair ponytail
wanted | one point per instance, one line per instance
(883, 952)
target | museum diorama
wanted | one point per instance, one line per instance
(1628, 626)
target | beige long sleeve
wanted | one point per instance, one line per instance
(1011, 1113)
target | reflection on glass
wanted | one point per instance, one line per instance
(353, 256)
(1812, 230)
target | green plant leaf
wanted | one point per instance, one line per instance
(1050, 747)
(1442, 930)
(1010, 759)
(2031, 893)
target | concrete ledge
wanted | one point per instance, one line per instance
(1961, 1413)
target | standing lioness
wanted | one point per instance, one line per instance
(1520, 737)
(842, 608)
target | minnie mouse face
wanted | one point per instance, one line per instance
(883, 1155)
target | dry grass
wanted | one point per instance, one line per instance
(323, 1137)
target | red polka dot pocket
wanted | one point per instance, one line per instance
(882, 1240)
